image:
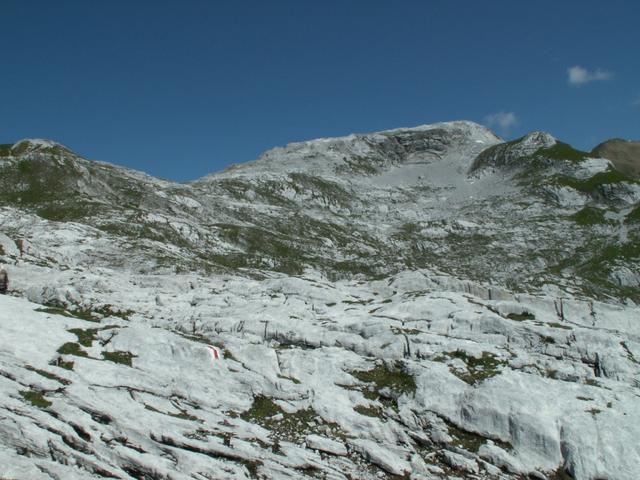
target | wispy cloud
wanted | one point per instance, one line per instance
(636, 101)
(504, 121)
(578, 75)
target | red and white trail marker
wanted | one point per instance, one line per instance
(215, 353)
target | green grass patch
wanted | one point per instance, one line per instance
(293, 427)
(124, 358)
(394, 377)
(37, 181)
(5, 149)
(594, 261)
(86, 337)
(369, 393)
(594, 183)
(633, 216)
(611, 253)
(72, 348)
(35, 398)
(368, 411)
(478, 369)
(466, 440)
(561, 151)
(589, 216)
(559, 325)
(94, 315)
(84, 315)
(262, 408)
(521, 316)
(69, 210)
(59, 362)
(111, 311)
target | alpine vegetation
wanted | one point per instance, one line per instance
(424, 303)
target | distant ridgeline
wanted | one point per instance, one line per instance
(452, 197)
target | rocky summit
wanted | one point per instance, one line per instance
(419, 303)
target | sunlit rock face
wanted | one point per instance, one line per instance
(425, 303)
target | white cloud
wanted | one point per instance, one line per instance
(636, 101)
(502, 120)
(579, 76)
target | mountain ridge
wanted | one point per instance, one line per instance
(371, 204)
(38, 144)
(34, 145)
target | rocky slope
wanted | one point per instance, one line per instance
(449, 196)
(418, 303)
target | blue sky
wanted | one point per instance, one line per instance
(180, 89)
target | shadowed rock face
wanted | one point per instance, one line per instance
(624, 154)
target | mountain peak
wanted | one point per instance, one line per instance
(466, 126)
(509, 154)
(365, 154)
(35, 144)
(536, 140)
